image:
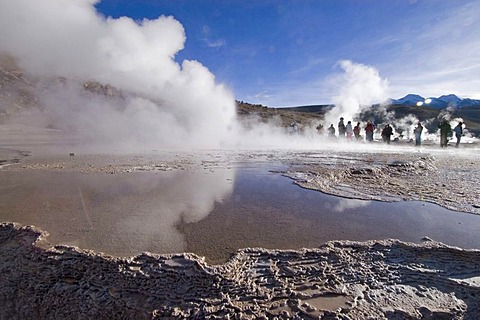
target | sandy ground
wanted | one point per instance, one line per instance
(340, 280)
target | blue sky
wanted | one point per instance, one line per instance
(286, 53)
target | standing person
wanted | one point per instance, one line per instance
(331, 131)
(356, 131)
(369, 131)
(418, 134)
(341, 128)
(458, 132)
(294, 126)
(320, 129)
(349, 130)
(445, 131)
(384, 133)
(389, 133)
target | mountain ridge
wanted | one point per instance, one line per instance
(444, 101)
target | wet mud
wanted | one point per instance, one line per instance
(340, 280)
(451, 181)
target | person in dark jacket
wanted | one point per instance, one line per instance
(341, 128)
(445, 131)
(458, 133)
(331, 131)
(387, 132)
(418, 134)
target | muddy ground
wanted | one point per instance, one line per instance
(451, 180)
(339, 280)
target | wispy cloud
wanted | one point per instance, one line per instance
(218, 43)
(289, 93)
(442, 57)
(210, 41)
(262, 95)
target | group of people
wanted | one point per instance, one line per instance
(446, 131)
(348, 131)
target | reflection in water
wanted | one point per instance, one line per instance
(347, 204)
(121, 214)
(268, 210)
(182, 196)
(212, 213)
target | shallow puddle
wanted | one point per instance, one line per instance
(212, 212)
(268, 210)
(328, 303)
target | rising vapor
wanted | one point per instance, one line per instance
(357, 87)
(67, 47)
(167, 104)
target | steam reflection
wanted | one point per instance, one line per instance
(123, 214)
(345, 204)
(212, 212)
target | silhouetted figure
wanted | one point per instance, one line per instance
(458, 133)
(349, 130)
(445, 131)
(341, 128)
(418, 134)
(294, 126)
(331, 131)
(387, 132)
(369, 131)
(320, 129)
(356, 131)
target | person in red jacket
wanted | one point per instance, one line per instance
(356, 131)
(369, 131)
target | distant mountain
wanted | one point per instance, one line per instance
(450, 98)
(469, 103)
(321, 108)
(438, 103)
(409, 100)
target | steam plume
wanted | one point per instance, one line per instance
(170, 102)
(358, 86)
(163, 103)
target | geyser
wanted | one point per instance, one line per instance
(167, 103)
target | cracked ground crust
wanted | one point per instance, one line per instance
(451, 182)
(339, 280)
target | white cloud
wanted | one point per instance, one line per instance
(218, 43)
(212, 43)
(432, 53)
(262, 95)
(443, 56)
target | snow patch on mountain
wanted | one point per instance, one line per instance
(441, 102)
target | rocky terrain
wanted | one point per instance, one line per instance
(339, 280)
(450, 181)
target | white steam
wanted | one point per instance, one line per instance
(358, 86)
(151, 100)
(169, 103)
